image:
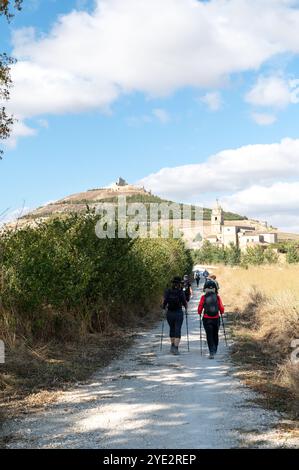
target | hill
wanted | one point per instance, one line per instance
(88, 200)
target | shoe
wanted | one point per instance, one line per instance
(176, 351)
(211, 356)
(172, 349)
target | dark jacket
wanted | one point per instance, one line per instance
(180, 296)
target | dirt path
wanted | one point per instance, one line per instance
(149, 399)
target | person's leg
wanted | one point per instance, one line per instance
(171, 323)
(178, 328)
(208, 326)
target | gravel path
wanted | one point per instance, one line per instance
(149, 399)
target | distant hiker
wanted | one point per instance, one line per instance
(212, 307)
(213, 278)
(174, 300)
(211, 285)
(205, 274)
(186, 286)
(197, 277)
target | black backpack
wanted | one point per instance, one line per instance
(173, 299)
(211, 307)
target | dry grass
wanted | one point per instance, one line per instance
(35, 373)
(265, 302)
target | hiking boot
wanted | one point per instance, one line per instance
(172, 349)
(211, 356)
(176, 351)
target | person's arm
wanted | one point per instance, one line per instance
(183, 300)
(165, 301)
(220, 305)
(201, 305)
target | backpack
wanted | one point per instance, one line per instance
(186, 290)
(173, 299)
(211, 307)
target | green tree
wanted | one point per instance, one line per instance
(254, 255)
(292, 255)
(6, 121)
(233, 255)
(271, 256)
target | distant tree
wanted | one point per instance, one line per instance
(6, 121)
(292, 254)
(233, 255)
(271, 256)
(7, 6)
(253, 255)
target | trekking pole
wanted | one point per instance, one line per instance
(187, 329)
(200, 325)
(162, 332)
(224, 329)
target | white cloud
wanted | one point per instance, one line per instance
(261, 181)
(276, 92)
(162, 115)
(263, 119)
(277, 203)
(229, 170)
(20, 129)
(212, 100)
(88, 60)
(282, 196)
(43, 123)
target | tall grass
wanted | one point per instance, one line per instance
(266, 302)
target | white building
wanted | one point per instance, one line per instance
(223, 234)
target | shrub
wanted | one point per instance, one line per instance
(60, 279)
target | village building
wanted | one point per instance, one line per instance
(240, 233)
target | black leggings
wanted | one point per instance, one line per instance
(175, 320)
(212, 325)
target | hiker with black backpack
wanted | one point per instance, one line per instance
(174, 300)
(212, 307)
(212, 284)
(197, 277)
(186, 286)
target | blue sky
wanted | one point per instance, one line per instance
(169, 96)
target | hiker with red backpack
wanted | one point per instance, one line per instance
(212, 307)
(174, 300)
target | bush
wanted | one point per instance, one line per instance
(59, 279)
(210, 253)
(292, 255)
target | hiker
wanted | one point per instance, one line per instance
(186, 286)
(205, 274)
(212, 307)
(197, 277)
(214, 278)
(174, 300)
(211, 284)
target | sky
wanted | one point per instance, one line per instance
(196, 100)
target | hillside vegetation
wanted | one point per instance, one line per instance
(82, 203)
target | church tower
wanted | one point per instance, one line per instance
(217, 220)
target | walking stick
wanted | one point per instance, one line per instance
(200, 325)
(187, 329)
(162, 333)
(224, 330)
